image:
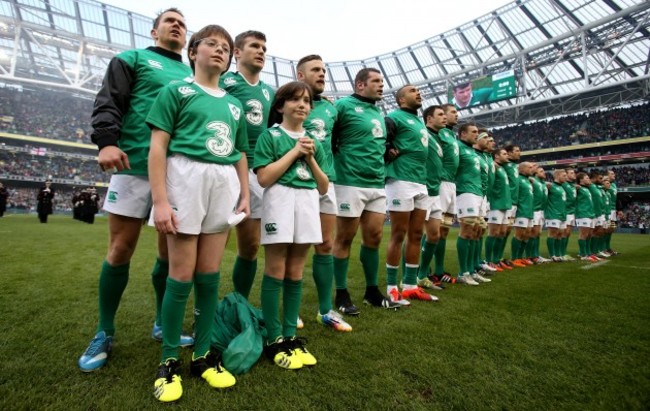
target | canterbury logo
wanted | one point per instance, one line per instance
(344, 206)
(186, 90)
(271, 228)
(155, 64)
(397, 202)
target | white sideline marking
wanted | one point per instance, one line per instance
(594, 265)
(631, 266)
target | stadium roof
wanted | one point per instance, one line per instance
(567, 55)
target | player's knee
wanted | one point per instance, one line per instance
(248, 251)
(325, 247)
(120, 252)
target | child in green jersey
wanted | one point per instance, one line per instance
(198, 174)
(288, 163)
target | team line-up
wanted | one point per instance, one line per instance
(201, 150)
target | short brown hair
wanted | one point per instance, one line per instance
(363, 74)
(284, 93)
(307, 59)
(207, 31)
(240, 40)
(156, 21)
(429, 111)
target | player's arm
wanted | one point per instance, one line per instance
(269, 171)
(164, 217)
(313, 160)
(391, 152)
(336, 133)
(111, 103)
(244, 195)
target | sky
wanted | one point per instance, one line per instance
(338, 30)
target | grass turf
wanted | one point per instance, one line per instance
(555, 336)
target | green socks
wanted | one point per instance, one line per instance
(550, 244)
(463, 247)
(270, 298)
(243, 275)
(159, 281)
(112, 282)
(426, 256)
(582, 246)
(439, 268)
(291, 300)
(370, 262)
(411, 274)
(341, 272)
(173, 312)
(206, 299)
(323, 272)
(489, 248)
(391, 275)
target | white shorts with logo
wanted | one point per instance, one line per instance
(256, 192)
(485, 206)
(468, 205)
(353, 201)
(448, 197)
(555, 224)
(538, 217)
(128, 196)
(512, 212)
(586, 222)
(434, 211)
(600, 221)
(497, 216)
(523, 222)
(202, 195)
(290, 215)
(327, 201)
(570, 220)
(406, 196)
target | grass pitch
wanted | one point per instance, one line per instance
(556, 336)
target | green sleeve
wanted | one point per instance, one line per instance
(264, 151)
(163, 111)
(241, 142)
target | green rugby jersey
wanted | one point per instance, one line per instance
(491, 169)
(468, 176)
(451, 149)
(434, 164)
(204, 125)
(411, 138)
(256, 100)
(584, 203)
(361, 143)
(606, 203)
(597, 199)
(512, 169)
(320, 124)
(556, 204)
(539, 194)
(485, 171)
(525, 193)
(613, 192)
(499, 191)
(150, 71)
(273, 144)
(571, 194)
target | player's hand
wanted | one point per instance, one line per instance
(393, 153)
(112, 158)
(244, 206)
(164, 219)
(308, 144)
